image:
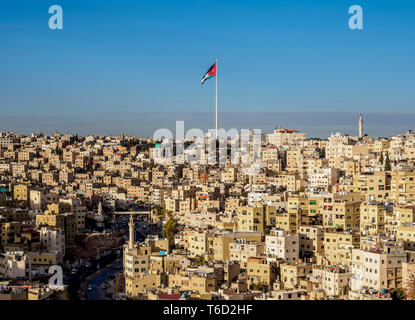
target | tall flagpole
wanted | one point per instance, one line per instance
(216, 99)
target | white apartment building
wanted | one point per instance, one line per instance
(15, 265)
(331, 280)
(322, 178)
(53, 240)
(241, 250)
(282, 137)
(376, 269)
(282, 244)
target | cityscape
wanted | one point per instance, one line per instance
(206, 158)
(101, 218)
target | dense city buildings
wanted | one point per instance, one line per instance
(320, 219)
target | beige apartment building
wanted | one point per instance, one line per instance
(198, 242)
(292, 274)
(403, 186)
(241, 250)
(338, 247)
(375, 186)
(251, 219)
(259, 271)
(311, 240)
(344, 215)
(332, 280)
(372, 218)
(220, 245)
(407, 235)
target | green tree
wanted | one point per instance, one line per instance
(387, 163)
(170, 229)
(160, 211)
(381, 158)
(398, 294)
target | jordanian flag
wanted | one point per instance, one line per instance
(210, 73)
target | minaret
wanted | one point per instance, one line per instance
(360, 127)
(131, 228)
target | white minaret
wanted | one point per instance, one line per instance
(361, 127)
(131, 229)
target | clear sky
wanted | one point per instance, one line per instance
(135, 56)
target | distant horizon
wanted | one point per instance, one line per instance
(315, 124)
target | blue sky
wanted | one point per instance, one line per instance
(140, 56)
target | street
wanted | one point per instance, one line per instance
(96, 292)
(102, 276)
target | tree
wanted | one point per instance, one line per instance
(381, 158)
(170, 229)
(90, 166)
(387, 163)
(398, 294)
(58, 151)
(160, 211)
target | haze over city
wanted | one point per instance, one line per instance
(315, 124)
